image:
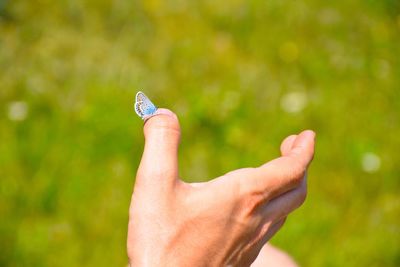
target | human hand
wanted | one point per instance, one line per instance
(225, 221)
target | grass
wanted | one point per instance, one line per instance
(241, 77)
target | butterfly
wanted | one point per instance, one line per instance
(144, 108)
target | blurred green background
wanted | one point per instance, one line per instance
(240, 75)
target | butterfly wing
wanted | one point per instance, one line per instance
(140, 96)
(144, 108)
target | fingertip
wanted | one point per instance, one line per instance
(164, 111)
(303, 146)
(287, 144)
(304, 139)
(309, 134)
(161, 111)
(164, 120)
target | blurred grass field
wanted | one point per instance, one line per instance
(241, 76)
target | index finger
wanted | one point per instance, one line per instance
(284, 173)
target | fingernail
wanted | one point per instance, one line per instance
(309, 134)
(164, 111)
(160, 111)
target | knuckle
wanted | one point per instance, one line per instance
(252, 201)
(249, 197)
(251, 204)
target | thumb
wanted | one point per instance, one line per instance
(159, 164)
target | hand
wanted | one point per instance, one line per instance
(225, 221)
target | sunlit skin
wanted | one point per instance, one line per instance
(270, 256)
(223, 222)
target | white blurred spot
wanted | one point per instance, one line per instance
(370, 162)
(294, 102)
(17, 111)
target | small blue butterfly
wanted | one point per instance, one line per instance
(144, 108)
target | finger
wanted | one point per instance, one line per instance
(287, 144)
(303, 147)
(159, 164)
(281, 206)
(282, 174)
(287, 172)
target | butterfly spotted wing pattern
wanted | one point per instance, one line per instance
(144, 108)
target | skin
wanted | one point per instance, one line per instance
(270, 256)
(223, 222)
